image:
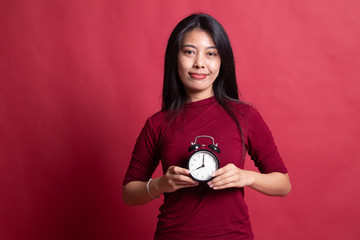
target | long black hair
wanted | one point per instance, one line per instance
(224, 87)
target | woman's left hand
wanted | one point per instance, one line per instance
(271, 184)
(231, 176)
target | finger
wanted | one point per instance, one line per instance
(184, 179)
(224, 169)
(221, 180)
(224, 186)
(179, 170)
(188, 185)
(228, 174)
(224, 180)
(218, 172)
(224, 174)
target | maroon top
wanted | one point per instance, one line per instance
(200, 212)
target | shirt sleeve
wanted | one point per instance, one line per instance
(261, 145)
(145, 156)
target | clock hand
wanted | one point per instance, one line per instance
(198, 168)
(203, 165)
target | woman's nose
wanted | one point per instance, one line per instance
(199, 62)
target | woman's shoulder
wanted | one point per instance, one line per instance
(246, 112)
(242, 107)
(157, 117)
(157, 120)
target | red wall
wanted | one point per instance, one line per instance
(79, 78)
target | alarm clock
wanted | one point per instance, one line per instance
(203, 162)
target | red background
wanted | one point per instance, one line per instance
(79, 78)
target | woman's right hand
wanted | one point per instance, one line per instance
(139, 192)
(174, 179)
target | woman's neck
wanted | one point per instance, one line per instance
(194, 97)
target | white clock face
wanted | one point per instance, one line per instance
(202, 164)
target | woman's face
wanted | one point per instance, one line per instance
(198, 64)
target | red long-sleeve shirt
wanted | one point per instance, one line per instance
(200, 212)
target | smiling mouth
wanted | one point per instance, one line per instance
(198, 75)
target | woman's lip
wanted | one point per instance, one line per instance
(198, 75)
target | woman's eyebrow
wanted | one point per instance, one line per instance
(188, 45)
(193, 46)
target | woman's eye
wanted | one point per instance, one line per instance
(188, 52)
(212, 54)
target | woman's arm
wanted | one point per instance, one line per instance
(135, 193)
(272, 184)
